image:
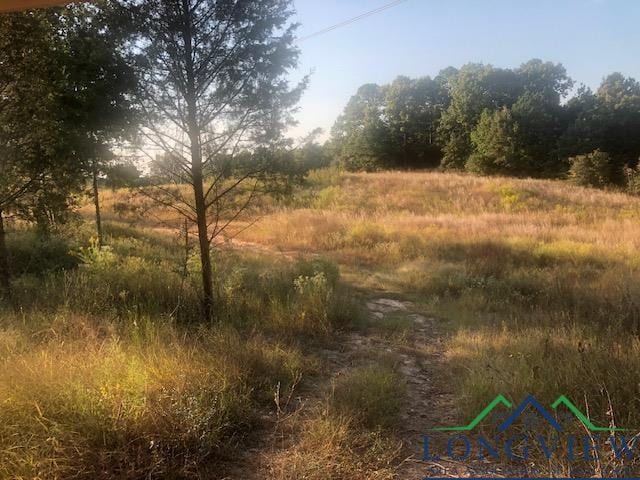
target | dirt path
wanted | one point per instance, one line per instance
(429, 401)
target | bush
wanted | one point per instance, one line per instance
(632, 179)
(496, 147)
(30, 254)
(594, 169)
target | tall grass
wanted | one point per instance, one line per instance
(108, 372)
(539, 280)
(99, 401)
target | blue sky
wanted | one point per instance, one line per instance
(591, 38)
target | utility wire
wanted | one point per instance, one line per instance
(352, 20)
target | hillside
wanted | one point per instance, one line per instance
(537, 281)
(354, 316)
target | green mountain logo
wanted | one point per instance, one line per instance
(499, 400)
(530, 401)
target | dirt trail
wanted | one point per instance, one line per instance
(429, 401)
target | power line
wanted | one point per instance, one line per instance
(352, 20)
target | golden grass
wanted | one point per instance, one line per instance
(345, 435)
(95, 401)
(539, 279)
(108, 372)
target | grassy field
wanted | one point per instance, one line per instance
(536, 281)
(495, 256)
(107, 372)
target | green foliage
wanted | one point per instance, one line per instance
(426, 122)
(490, 121)
(69, 59)
(39, 168)
(359, 134)
(412, 111)
(99, 85)
(30, 254)
(310, 155)
(475, 88)
(391, 126)
(594, 169)
(495, 145)
(522, 110)
(517, 141)
(609, 121)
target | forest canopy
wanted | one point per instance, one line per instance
(526, 121)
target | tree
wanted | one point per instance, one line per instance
(123, 174)
(213, 84)
(594, 169)
(311, 155)
(99, 84)
(473, 89)
(495, 145)
(38, 169)
(368, 147)
(547, 79)
(532, 93)
(412, 112)
(608, 120)
(392, 125)
(360, 136)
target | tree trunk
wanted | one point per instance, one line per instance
(191, 97)
(5, 273)
(96, 202)
(203, 240)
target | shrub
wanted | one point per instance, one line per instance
(496, 149)
(33, 255)
(313, 298)
(632, 178)
(594, 169)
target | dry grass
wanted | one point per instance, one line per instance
(346, 436)
(89, 400)
(539, 279)
(333, 448)
(107, 371)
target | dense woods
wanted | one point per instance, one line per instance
(526, 121)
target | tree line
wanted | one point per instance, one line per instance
(488, 120)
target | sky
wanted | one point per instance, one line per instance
(591, 38)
